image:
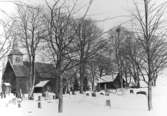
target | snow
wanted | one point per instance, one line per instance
(42, 83)
(106, 78)
(160, 95)
(123, 103)
(6, 84)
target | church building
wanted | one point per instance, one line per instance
(16, 74)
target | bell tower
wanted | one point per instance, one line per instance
(15, 56)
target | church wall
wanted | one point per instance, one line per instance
(22, 85)
(9, 77)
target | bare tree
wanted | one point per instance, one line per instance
(118, 38)
(89, 43)
(98, 66)
(132, 57)
(6, 37)
(93, 69)
(30, 31)
(150, 25)
(61, 37)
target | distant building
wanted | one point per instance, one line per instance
(109, 82)
(16, 73)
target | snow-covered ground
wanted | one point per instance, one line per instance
(160, 95)
(122, 104)
(80, 105)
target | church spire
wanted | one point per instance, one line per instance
(15, 56)
(15, 45)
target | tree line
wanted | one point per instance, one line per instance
(77, 46)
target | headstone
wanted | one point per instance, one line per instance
(39, 102)
(1, 95)
(131, 91)
(39, 98)
(93, 94)
(73, 92)
(108, 103)
(39, 105)
(19, 105)
(107, 94)
(141, 92)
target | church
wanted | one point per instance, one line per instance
(16, 74)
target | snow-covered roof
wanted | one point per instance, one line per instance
(42, 83)
(6, 84)
(106, 78)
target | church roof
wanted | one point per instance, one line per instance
(44, 70)
(20, 70)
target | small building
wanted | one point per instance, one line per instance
(6, 88)
(109, 82)
(17, 72)
(42, 86)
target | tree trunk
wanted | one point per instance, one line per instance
(121, 78)
(149, 96)
(138, 84)
(32, 76)
(126, 78)
(30, 82)
(93, 84)
(57, 87)
(82, 72)
(101, 71)
(93, 76)
(138, 78)
(154, 82)
(155, 79)
(105, 88)
(60, 105)
(59, 66)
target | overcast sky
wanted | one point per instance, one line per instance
(100, 9)
(106, 9)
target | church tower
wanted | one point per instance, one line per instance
(15, 56)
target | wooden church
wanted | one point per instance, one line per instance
(16, 74)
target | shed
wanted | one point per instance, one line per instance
(6, 87)
(109, 82)
(41, 86)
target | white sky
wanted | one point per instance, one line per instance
(104, 9)
(100, 9)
